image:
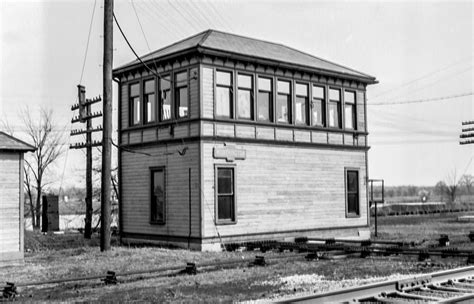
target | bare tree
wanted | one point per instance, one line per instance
(48, 142)
(467, 181)
(452, 184)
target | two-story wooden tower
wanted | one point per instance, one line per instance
(225, 138)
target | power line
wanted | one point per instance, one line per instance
(181, 14)
(88, 39)
(141, 27)
(420, 100)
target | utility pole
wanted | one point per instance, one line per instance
(105, 215)
(86, 115)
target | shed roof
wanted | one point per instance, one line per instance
(226, 43)
(11, 143)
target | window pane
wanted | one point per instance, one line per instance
(182, 101)
(244, 104)
(301, 89)
(352, 181)
(263, 106)
(318, 92)
(165, 83)
(349, 116)
(181, 78)
(349, 97)
(224, 181)
(135, 89)
(317, 110)
(333, 114)
(158, 196)
(283, 87)
(150, 107)
(334, 94)
(149, 86)
(244, 81)
(225, 208)
(353, 203)
(223, 78)
(165, 105)
(282, 111)
(300, 110)
(136, 110)
(223, 102)
(264, 84)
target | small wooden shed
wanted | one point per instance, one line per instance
(11, 198)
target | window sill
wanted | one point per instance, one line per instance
(352, 215)
(223, 222)
(157, 223)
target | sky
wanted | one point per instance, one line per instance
(417, 50)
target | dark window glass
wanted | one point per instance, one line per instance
(158, 196)
(150, 101)
(165, 98)
(225, 194)
(301, 104)
(135, 106)
(283, 102)
(224, 94)
(352, 184)
(244, 97)
(181, 94)
(317, 107)
(264, 99)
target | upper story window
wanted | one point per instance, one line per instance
(318, 109)
(165, 98)
(245, 97)
(224, 94)
(135, 114)
(335, 108)
(349, 110)
(149, 100)
(181, 94)
(264, 99)
(283, 102)
(301, 104)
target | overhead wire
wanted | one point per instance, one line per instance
(420, 100)
(139, 23)
(87, 44)
(191, 17)
(181, 14)
(152, 8)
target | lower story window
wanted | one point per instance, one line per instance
(225, 195)
(352, 192)
(158, 196)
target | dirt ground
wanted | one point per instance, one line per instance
(64, 256)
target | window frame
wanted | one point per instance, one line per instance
(131, 111)
(252, 95)
(307, 117)
(160, 100)
(271, 107)
(339, 107)
(349, 214)
(232, 93)
(216, 194)
(145, 110)
(152, 170)
(290, 102)
(323, 106)
(176, 86)
(353, 109)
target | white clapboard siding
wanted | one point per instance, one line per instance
(9, 202)
(283, 188)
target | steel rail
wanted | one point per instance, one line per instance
(375, 290)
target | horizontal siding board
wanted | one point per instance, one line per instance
(225, 130)
(207, 92)
(243, 131)
(265, 133)
(335, 138)
(301, 187)
(284, 134)
(319, 137)
(302, 136)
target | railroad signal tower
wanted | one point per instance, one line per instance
(85, 116)
(467, 133)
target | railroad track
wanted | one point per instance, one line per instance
(450, 286)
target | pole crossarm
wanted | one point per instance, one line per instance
(82, 131)
(466, 135)
(82, 145)
(86, 103)
(467, 142)
(90, 116)
(469, 122)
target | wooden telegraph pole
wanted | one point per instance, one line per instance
(86, 115)
(105, 215)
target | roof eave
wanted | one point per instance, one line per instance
(288, 65)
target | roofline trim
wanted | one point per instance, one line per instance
(28, 147)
